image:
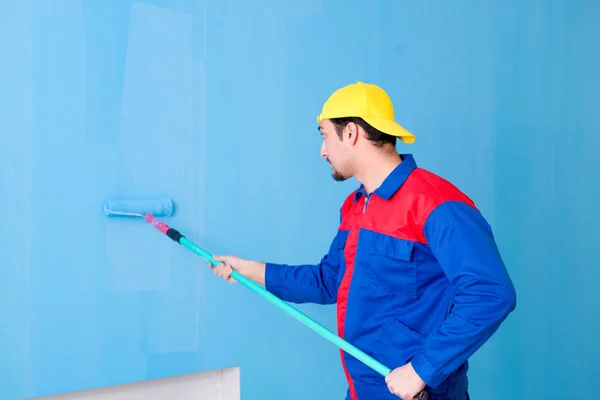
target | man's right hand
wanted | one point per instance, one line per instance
(253, 270)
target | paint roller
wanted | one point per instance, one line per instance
(150, 209)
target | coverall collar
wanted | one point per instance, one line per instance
(393, 181)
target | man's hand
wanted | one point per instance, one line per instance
(405, 383)
(253, 270)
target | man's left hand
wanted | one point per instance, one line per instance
(405, 383)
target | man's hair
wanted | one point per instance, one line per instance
(378, 138)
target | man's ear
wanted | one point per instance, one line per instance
(351, 133)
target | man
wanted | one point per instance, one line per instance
(414, 269)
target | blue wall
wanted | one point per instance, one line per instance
(504, 99)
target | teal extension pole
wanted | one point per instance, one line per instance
(256, 288)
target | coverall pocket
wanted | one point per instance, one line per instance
(392, 266)
(397, 343)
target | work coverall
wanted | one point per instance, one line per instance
(417, 277)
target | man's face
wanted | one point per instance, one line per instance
(334, 151)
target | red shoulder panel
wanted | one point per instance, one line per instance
(404, 215)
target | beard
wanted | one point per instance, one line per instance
(335, 174)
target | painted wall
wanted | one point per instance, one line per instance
(502, 95)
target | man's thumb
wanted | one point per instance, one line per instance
(221, 258)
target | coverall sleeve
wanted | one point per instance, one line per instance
(463, 243)
(309, 283)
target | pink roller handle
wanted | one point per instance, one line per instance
(161, 226)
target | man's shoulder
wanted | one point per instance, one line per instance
(432, 188)
(424, 191)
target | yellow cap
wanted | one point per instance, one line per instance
(369, 102)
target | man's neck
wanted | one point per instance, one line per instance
(376, 169)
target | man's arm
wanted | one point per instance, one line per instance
(463, 243)
(308, 283)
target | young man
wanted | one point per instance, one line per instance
(414, 268)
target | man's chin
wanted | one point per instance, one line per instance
(338, 177)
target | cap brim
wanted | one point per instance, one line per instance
(391, 128)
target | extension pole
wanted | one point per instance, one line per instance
(177, 237)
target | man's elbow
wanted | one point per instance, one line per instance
(507, 299)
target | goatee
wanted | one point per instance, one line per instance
(338, 177)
